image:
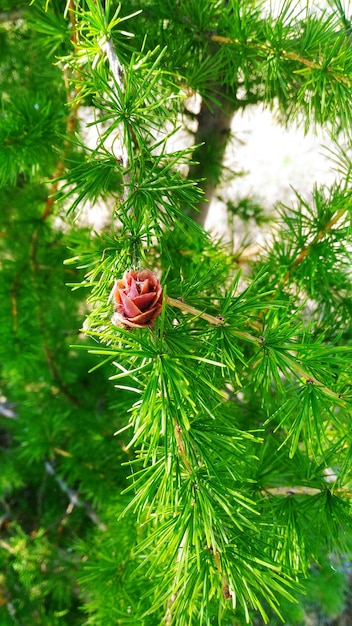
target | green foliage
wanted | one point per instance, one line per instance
(35, 566)
(197, 470)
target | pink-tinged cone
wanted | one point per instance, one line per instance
(137, 299)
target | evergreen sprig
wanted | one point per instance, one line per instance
(204, 464)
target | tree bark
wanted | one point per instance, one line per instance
(214, 124)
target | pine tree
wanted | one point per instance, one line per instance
(175, 441)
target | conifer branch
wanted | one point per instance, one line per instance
(225, 586)
(220, 321)
(201, 549)
(182, 452)
(321, 234)
(293, 56)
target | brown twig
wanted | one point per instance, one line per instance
(219, 321)
(178, 304)
(301, 490)
(57, 378)
(225, 585)
(49, 356)
(293, 56)
(321, 234)
(71, 122)
(248, 253)
(181, 447)
(14, 304)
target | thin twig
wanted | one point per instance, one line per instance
(305, 251)
(11, 16)
(220, 321)
(55, 372)
(118, 74)
(6, 516)
(181, 447)
(14, 302)
(215, 321)
(169, 615)
(107, 47)
(311, 380)
(71, 122)
(6, 410)
(293, 56)
(248, 253)
(6, 546)
(182, 452)
(301, 490)
(73, 496)
(225, 585)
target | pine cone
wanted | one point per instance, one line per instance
(137, 298)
